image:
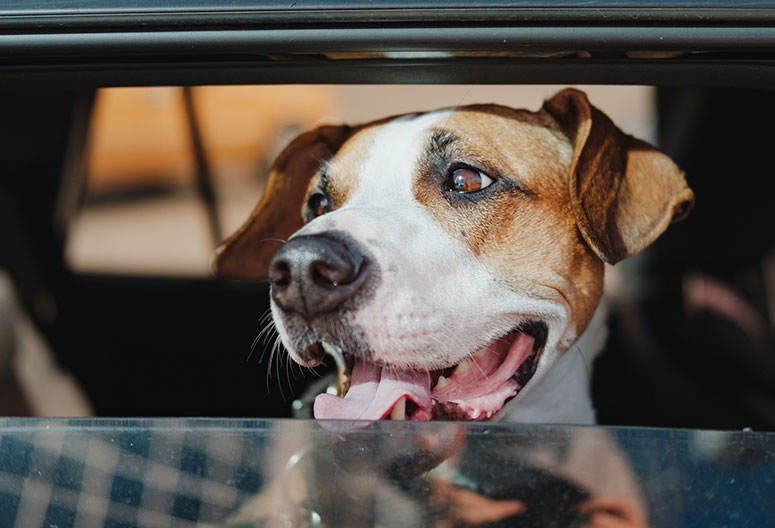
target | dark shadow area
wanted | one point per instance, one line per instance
(139, 346)
(695, 348)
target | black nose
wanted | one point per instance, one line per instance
(316, 273)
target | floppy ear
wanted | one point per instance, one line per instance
(277, 216)
(623, 191)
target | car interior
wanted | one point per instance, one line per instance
(135, 136)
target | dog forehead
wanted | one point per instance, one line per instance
(380, 159)
(385, 155)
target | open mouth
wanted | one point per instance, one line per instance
(475, 389)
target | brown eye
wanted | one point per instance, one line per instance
(465, 180)
(318, 204)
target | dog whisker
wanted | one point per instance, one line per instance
(267, 315)
(266, 332)
(271, 357)
(276, 354)
(274, 358)
(288, 372)
(467, 353)
(454, 109)
(280, 240)
(584, 359)
(302, 368)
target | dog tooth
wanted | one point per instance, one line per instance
(481, 352)
(399, 410)
(341, 367)
(335, 352)
(443, 382)
(463, 366)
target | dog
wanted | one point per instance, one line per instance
(453, 258)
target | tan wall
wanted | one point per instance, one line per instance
(140, 135)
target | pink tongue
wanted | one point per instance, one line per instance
(479, 390)
(488, 372)
(374, 390)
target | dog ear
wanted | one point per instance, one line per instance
(623, 191)
(277, 216)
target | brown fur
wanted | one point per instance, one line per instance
(584, 193)
(529, 238)
(344, 181)
(623, 191)
(247, 252)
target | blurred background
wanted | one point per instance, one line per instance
(112, 203)
(142, 212)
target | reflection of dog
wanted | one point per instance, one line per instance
(455, 256)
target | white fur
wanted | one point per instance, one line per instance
(437, 303)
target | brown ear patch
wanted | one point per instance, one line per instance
(277, 216)
(623, 191)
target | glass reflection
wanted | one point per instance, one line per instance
(267, 473)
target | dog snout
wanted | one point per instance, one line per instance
(316, 273)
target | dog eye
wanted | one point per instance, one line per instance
(466, 180)
(318, 204)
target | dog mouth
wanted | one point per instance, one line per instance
(475, 389)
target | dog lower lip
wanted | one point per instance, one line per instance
(312, 356)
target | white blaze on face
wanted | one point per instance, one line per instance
(436, 303)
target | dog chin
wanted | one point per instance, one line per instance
(475, 389)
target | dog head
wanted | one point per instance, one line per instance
(452, 256)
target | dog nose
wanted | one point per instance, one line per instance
(315, 273)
